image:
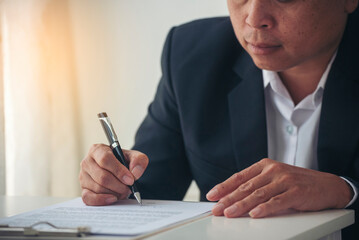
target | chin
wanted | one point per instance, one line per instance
(272, 64)
(269, 66)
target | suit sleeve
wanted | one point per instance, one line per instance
(160, 137)
(353, 230)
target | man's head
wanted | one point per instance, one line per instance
(283, 34)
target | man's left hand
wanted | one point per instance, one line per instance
(268, 187)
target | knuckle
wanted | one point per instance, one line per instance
(247, 187)
(276, 200)
(80, 177)
(120, 170)
(296, 189)
(238, 177)
(98, 148)
(267, 208)
(287, 178)
(283, 179)
(266, 161)
(242, 204)
(97, 188)
(260, 194)
(228, 200)
(104, 179)
(104, 158)
(83, 163)
(93, 148)
(274, 168)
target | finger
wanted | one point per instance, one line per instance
(240, 193)
(138, 162)
(104, 178)
(257, 197)
(274, 205)
(93, 199)
(234, 182)
(87, 182)
(105, 158)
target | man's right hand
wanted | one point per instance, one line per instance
(104, 180)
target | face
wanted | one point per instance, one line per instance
(284, 34)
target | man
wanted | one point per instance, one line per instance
(262, 126)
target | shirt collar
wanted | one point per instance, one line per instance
(272, 79)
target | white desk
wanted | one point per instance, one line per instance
(291, 226)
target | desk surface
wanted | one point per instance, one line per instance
(311, 225)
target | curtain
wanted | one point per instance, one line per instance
(40, 96)
(2, 126)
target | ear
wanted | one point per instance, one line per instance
(350, 5)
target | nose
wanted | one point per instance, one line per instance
(258, 15)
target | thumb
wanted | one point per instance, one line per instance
(138, 162)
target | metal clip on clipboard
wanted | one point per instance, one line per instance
(31, 231)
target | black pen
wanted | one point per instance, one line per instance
(116, 148)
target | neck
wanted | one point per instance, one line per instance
(300, 84)
(301, 81)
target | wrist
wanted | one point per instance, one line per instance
(346, 194)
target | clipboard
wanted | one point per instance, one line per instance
(66, 220)
(31, 231)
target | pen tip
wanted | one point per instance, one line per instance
(138, 197)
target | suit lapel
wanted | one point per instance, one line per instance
(338, 127)
(247, 113)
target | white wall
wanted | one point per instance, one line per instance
(118, 44)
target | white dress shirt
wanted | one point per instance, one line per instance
(293, 129)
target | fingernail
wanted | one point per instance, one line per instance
(128, 180)
(137, 171)
(213, 193)
(255, 212)
(232, 210)
(218, 208)
(111, 200)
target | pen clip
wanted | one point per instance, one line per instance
(107, 127)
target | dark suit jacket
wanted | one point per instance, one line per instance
(208, 120)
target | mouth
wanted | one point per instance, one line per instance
(262, 48)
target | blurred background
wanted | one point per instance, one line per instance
(64, 61)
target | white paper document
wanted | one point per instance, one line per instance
(126, 217)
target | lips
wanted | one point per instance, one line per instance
(262, 48)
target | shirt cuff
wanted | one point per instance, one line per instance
(355, 190)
